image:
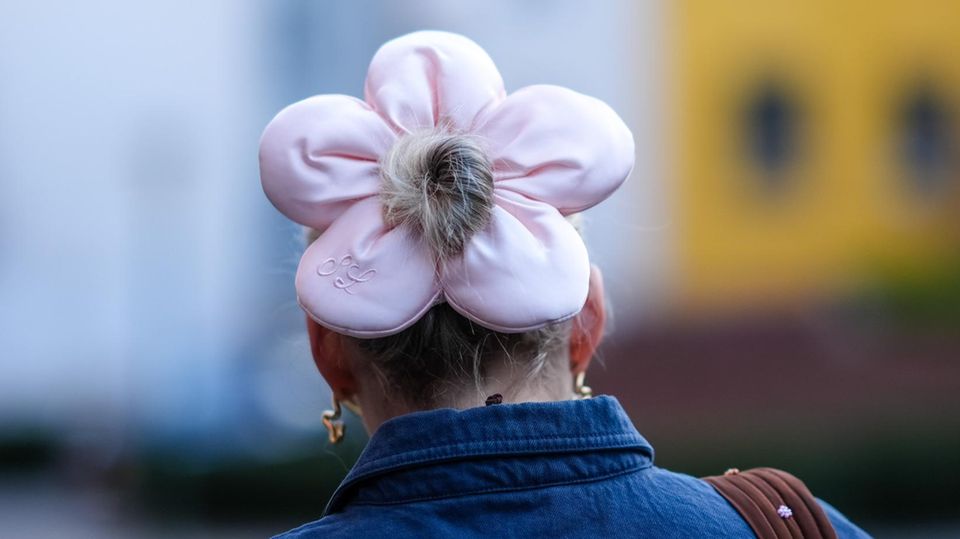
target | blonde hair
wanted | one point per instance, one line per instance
(441, 186)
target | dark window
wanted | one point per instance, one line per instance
(926, 139)
(771, 118)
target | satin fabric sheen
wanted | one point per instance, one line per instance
(554, 152)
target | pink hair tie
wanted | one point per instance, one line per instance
(554, 152)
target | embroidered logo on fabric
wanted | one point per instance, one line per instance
(346, 272)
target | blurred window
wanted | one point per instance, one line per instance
(926, 139)
(771, 118)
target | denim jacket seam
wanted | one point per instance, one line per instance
(592, 479)
(437, 451)
(357, 474)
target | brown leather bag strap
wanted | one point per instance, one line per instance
(774, 503)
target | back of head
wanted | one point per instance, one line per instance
(442, 249)
(439, 184)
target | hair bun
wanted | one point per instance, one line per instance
(441, 186)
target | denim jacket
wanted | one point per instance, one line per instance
(574, 468)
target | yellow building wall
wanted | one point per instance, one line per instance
(845, 199)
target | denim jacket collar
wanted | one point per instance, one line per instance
(447, 452)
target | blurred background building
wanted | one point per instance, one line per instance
(784, 263)
(815, 143)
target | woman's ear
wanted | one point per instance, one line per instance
(588, 325)
(328, 354)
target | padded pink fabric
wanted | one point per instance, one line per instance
(554, 151)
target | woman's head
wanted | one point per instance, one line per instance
(440, 185)
(443, 265)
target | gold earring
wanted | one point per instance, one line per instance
(335, 425)
(582, 391)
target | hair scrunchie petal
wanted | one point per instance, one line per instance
(426, 79)
(527, 269)
(363, 279)
(558, 146)
(320, 155)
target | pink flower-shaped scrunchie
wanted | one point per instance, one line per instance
(554, 152)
